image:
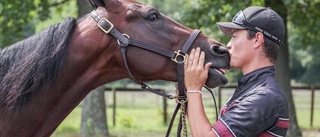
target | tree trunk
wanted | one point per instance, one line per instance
(93, 119)
(283, 69)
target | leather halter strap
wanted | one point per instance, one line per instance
(124, 41)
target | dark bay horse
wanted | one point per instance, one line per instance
(44, 77)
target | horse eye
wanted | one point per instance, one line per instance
(153, 17)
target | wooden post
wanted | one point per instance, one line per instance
(312, 105)
(165, 110)
(220, 99)
(114, 107)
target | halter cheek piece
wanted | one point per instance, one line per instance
(177, 56)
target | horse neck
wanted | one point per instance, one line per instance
(93, 53)
(92, 60)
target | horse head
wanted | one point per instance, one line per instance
(145, 23)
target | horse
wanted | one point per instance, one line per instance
(44, 77)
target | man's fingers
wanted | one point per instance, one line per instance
(190, 58)
(196, 57)
(201, 59)
(186, 62)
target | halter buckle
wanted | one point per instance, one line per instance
(105, 25)
(178, 54)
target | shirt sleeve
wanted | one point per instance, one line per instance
(248, 116)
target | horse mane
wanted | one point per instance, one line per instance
(33, 64)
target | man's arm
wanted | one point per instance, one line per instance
(196, 74)
(199, 123)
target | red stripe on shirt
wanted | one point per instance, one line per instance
(225, 109)
(222, 129)
(265, 134)
(283, 123)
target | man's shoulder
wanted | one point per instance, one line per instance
(269, 97)
(267, 91)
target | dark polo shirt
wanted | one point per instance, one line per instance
(258, 107)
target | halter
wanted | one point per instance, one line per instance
(177, 56)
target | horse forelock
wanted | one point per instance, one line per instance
(33, 64)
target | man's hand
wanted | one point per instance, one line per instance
(195, 72)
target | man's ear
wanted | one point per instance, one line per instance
(259, 39)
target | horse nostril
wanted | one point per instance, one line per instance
(219, 50)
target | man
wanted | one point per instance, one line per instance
(258, 107)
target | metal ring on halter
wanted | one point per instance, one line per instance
(179, 99)
(126, 35)
(179, 56)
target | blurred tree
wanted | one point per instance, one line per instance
(304, 40)
(94, 118)
(16, 18)
(306, 65)
(283, 69)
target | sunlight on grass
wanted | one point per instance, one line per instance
(70, 125)
(302, 101)
(141, 114)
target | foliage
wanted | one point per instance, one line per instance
(203, 14)
(126, 121)
(305, 65)
(15, 17)
(20, 19)
(304, 40)
(303, 19)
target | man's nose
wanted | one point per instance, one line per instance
(229, 45)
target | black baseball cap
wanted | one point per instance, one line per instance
(258, 19)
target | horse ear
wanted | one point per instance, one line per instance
(97, 3)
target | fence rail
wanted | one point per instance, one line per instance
(312, 89)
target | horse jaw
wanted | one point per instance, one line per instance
(215, 79)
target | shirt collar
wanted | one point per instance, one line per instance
(256, 75)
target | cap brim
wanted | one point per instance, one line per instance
(227, 27)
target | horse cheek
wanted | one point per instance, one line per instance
(145, 64)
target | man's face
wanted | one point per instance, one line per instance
(240, 48)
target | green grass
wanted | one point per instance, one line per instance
(302, 101)
(129, 120)
(141, 114)
(70, 125)
(304, 119)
